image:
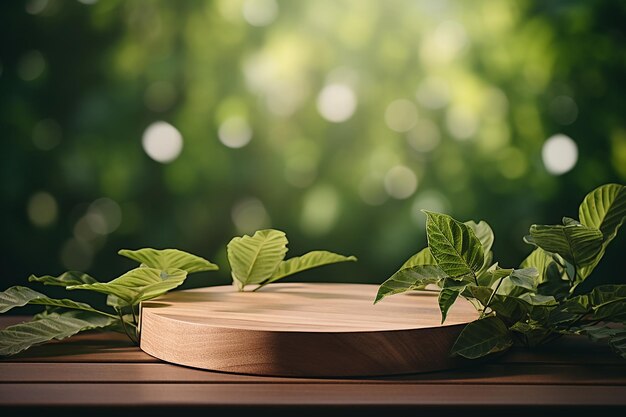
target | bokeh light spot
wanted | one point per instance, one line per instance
(564, 110)
(559, 154)
(372, 190)
(320, 210)
(76, 255)
(433, 93)
(42, 209)
(235, 132)
(401, 115)
(259, 12)
(104, 216)
(162, 142)
(400, 182)
(461, 122)
(250, 215)
(160, 96)
(31, 65)
(46, 134)
(428, 200)
(336, 102)
(425, 137)
(36, 6)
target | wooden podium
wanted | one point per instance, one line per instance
(303, 329)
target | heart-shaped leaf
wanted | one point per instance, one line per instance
(64, 280)
(577, 244)
(455, 247)
(139, 284)
(482, 337)
(309, 260)
(169, 258)
(19, 337)
(413, 278)
(254, 259)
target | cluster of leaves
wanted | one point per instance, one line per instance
(254, 260)
(159, 272)
(535, 303)
(260, 259)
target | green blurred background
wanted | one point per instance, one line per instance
(129, 124)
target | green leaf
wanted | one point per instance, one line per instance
(618, 343)
(604, 209)
(577, 244)
(19, 337)
(65, 279)
(483, 232)
(567, 221)
(423, 257)
(20, 296)
(482, 337)
(598, 333)
(448, 295)
(537, 299)
(310, 260)
(539, 260)
(454, 245)
(169, 258)
(554, 284)
(492, 275)
(138, 284)
(254, 259)
(525, 278)
(408, 279)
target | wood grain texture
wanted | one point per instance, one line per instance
(564, 378)
(309, 330)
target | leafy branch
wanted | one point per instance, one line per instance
(159, 272)
(535, 303)
(260, 259)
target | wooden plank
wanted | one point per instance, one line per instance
(136, 395)
(303, 329)
(163, 373)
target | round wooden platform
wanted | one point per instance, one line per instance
(303, 329)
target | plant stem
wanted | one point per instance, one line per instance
(491, 297)
(121, 316)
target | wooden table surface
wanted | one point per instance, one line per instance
(104, 374)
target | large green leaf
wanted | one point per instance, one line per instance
(413, 278)
(604, 209)
(63, 280)
(307, 261)
(423, 257)
(19, 337)
(455, 247)
(577, 244)
(482, 337)
(169, 258)
(254, 259)
(138, 284)
(20, 296)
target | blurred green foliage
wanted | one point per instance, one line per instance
(335, 121)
